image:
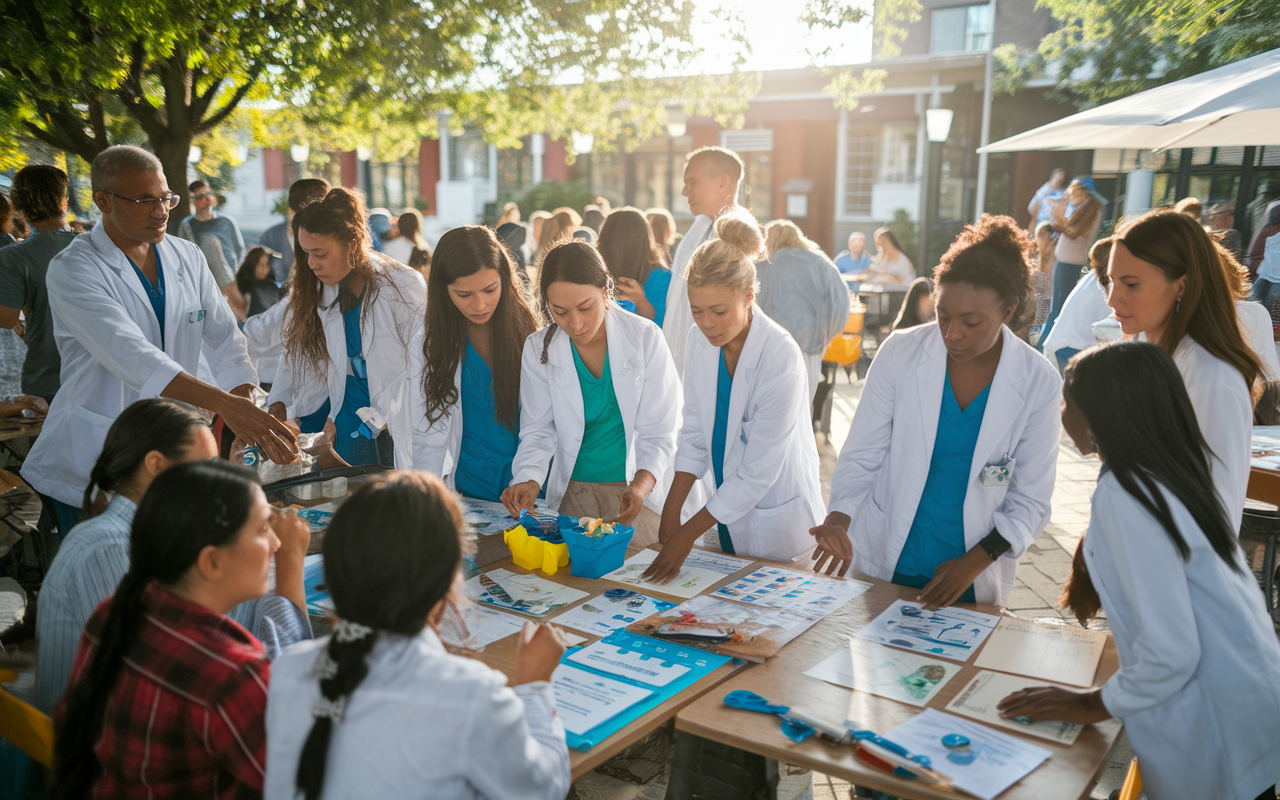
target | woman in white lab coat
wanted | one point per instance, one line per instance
(746, 415)
(353, 335)
(946, 476)
(1172, 283)
(599, 401)
(479, 321)
(1198, 688)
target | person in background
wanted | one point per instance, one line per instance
(593, 218)
(148, 438)
(1046, 196)
(712, 176)
(948, 507)
(255, 281)
(584, 234)
(855, 259)
(1085, 307)
(536, 220)
(279, 237)
(381, 227)
(40, 195)
(370, 308)
(1172, 283)
(1264, 259)
(1076, 218)
(1199, 662)
(207, 223)
(558, 227)
(380, 705)
(890, 267)
(664, 231)
(167, 693)
(802, 291)
(420, 261)
(510, 213)
(1259, 209)
(514, 236)
(133, 310)
(409, 236)
(636, 263)
(1219, 221)
(475, 334)
(1042, 277)
(224, 276)
(917, 306)
(6, 221)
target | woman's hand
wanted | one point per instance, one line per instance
(666, 567)
(294, 534)
(630, 289)
(630, 505)
(951, 578)
(1055, 704)
(834, 549)
(520, 497)
(538, 651)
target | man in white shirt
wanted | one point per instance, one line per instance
(711, 179)
(133, 310)
(1042, 202)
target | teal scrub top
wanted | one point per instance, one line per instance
(488, 447)
(655, 291)
(352, 440)
(155, 293)
(724, 388)
(602, 458)
(937, 532)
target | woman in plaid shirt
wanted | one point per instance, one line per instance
(168, 694)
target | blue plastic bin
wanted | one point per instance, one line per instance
(596, 556)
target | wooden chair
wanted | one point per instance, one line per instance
(1261, 525)
(30, 730)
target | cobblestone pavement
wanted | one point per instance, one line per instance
(12, 354)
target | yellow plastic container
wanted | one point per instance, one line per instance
(531, 552)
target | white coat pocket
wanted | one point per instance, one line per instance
(998, 475)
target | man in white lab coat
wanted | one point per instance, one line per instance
(711, 178)
(132, 311)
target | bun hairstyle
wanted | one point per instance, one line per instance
(730, 258)
(571, 261)
(995, 254)
(154, 424)
(392, 553)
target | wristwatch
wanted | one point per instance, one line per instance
(995, 545)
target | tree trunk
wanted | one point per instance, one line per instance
(172, 152)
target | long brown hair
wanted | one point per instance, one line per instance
(461, 252)
(341, 215)
(1179, 246)
(628, 247)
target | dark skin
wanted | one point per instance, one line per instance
(971, 320)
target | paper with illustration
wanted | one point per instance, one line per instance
(722, 626)
(983, 694)
(883, 671)
(797, 591)
(525, 594)
(1060, 653)
(585, 700)
(616, 608)
(472, 626)
(700, 572)
(951, 632)
(485, 517)
(629, 664)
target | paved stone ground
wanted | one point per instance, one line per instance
(12, 354)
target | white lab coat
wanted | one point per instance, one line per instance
(679, 318)
(771, 494)
(109, 339)
(551, 410)
(264, 332)
(1198, 688)
(442, 439)
(391, 330)
(880, 476)
(1255, 324)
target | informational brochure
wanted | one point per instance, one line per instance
(981, 697)
(700, 572)
(525, 594)
(1059, 653)
(885, 672)
(795, 591)
(720, 626)
(486, 517)
(628, 664)
(472, 626)
(585, 700)
(616, 608)
(953, 633)
(990, 763)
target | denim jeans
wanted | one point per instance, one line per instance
(1065, 278)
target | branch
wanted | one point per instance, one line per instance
(243, 89)
(202, 100)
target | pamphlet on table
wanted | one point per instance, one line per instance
(640, 667)
(983, 694)
(485, 517)
(883, 671)
(616, 608)
(725, 627)
(1061, 653)
(951, 632)
(525, 594)
(700, 572)
(472, 626)
(585, 700)
(795, 591)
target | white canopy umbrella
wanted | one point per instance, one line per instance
(1232, 106)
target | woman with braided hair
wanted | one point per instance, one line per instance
(380, 708)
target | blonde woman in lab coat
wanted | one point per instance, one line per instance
(947, 473)
(746, 415)
(1198, 688)
(599, 401)
(353, 336)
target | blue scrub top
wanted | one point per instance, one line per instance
(155, 293)
(358, 449)
(937, 532)
(724, 388)
(655, 291)
(488, 447)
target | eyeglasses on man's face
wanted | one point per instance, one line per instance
(201, 195)
(168, 201)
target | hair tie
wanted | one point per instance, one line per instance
(325, 667)
(347, 631)
(332, 709)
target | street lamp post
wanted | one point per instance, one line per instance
(937, 127)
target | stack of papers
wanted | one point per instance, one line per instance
(1060, 653)
(701, 571)
(728, 628)
(585, 700)
(953, 633)
(796, 591)
(524, 594)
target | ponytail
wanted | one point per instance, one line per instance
(340, 667)
(155, 424)
(572, 261)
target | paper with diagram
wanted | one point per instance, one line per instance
(1059, 653)
(883, 671)
(797, 591)
(951, 632)
(616, 608)
(630, 664)
(983, 694)
(526, 594)
(700, 572)
(585, 700)
(725, 627)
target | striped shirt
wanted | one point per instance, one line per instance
(86, 570)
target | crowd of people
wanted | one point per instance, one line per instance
(582, 360)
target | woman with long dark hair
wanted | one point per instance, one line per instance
(917, 306)
(479, 321)
(353, 334)
(599, 403)
(256, 282)
(409, 225)
(380, 708)
(168, 695)
(890, 266)
(636, 262)
(1198, 687)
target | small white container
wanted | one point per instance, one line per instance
(307, 491)
(334, 488)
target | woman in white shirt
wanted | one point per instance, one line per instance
(1198, 688)
(946, 476)
(380, 708)
(891, 267)
(599, 404)
(1172, 283)
(746, 415)
(401, 248)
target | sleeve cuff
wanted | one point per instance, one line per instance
(160, 378)
(693, 466)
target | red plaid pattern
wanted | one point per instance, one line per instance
(187, 717)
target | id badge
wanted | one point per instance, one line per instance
(195, 316)
(995, 476)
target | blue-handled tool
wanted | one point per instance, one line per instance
(792, 728)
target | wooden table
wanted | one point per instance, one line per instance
(1069, 773)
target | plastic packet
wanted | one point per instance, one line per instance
(269, 472)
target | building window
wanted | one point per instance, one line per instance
(468, 157)
(898, 152)
(860, 170)
(960, 29)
